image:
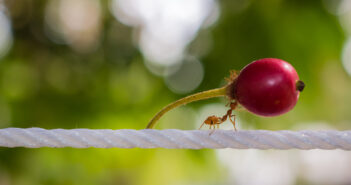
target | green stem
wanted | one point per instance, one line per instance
(195, 97)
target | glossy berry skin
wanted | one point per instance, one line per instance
(267, 87)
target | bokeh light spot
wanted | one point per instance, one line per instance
(346, 56)
(165, 27)
(5, 34)
(187, 78)
(74, 22)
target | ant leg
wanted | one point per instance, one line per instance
(233, 121)
(201, 125)
(214, 128)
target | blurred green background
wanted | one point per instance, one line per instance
(113, 64)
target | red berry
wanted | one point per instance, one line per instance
(267, 87)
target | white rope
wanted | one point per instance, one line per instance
(193, 139)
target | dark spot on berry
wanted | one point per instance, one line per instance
(300, 85)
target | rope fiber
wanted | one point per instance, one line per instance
(171, 138)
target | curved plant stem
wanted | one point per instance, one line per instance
(195, 97)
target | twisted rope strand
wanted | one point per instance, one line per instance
(191, 139)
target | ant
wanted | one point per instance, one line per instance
(215, 120)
